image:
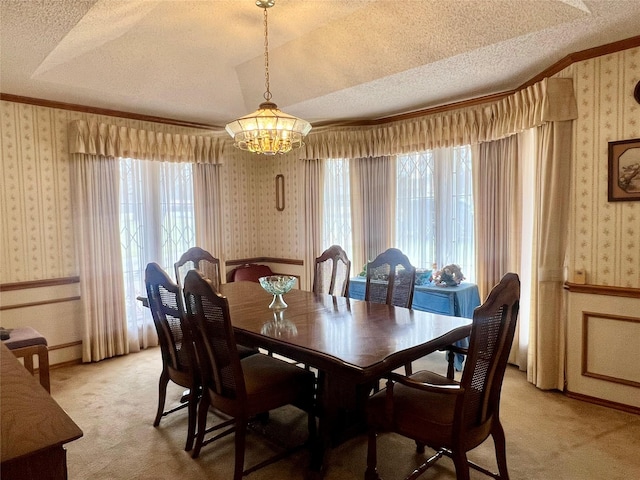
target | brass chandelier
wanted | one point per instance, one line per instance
(268, 130)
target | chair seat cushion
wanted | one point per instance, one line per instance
(271, 383)
(417, 414)
(24, 337)
(246, 351)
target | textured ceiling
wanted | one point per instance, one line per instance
(330, 60)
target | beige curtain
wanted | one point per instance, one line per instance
(519, 182)
(498, 205)
(125, 142)
(551, 99)
(96, 212)
(546, 361)
(207, 202)
(373, 197)
(496, 194)
(95, 148)
(313, 182)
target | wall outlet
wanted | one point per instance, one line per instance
(580, 277)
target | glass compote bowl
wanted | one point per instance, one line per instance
(277, 285)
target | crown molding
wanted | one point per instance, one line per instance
(552, 70)
(104, 111)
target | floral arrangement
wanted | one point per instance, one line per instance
(451, 275)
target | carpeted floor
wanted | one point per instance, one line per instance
(549, 436)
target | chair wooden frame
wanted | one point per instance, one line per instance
(199, 259)
(450, 417)
(240, 388)
(179, 361)
(27, 343)
(393, 258)
(42, 352)
(337, 256)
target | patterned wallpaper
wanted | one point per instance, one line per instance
(37, 229)
(282, 235)
(604, 236)
(239, 217)
(252, 225)
(35, 199)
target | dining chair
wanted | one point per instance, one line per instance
(27, 343)
(391, 279)
(250, 272)
(331, 272)
(450, 417)
(199, 259)
(240, 388)
(179, 362)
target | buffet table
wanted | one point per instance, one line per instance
(458, 301)
(34, 428)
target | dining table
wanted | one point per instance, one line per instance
(352, 344)
(457, 300)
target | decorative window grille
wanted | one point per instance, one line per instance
(157, 223)
(434, 213)
(434, 208)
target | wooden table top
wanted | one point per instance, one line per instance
(31, 420)
(339, 334)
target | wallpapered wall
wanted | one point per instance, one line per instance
(37, 230)
(35, 216)
(282, 233)
(604, 236)
(252, 224)
(36, 221)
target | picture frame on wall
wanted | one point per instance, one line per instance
(624, 170)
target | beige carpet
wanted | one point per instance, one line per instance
(548, 435)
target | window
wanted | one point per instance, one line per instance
(434, 208)
(336, 228)
(434, 212)
(156, 224)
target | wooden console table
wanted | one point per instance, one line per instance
(34, 428)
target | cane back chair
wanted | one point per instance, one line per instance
(449, 417)
(239, 388)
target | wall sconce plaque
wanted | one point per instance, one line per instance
(280, 192)
(624, 170)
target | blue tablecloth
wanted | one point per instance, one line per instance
(458, 301)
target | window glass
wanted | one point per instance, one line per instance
(157, 223)
(337, 205)
(434, 208)
(434, 212)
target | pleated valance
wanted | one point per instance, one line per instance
(117, 141)
(551, 99)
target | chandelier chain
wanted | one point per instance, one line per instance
(267, 93)
(268, 130)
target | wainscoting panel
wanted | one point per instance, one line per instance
(605, 349)
(603, 359)
(54, 311)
